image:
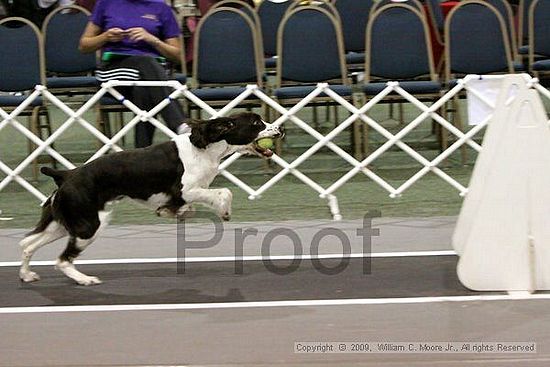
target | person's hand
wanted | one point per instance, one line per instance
(115, 34)
(140, 34)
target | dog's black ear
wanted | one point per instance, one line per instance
(222, 125)
(210, 131)
(217, 128)
(199, 135)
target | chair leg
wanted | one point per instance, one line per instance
(355, 133)
(449, 115)
(102, 122)
(107, 124)
(315, 118)
(357, 141)
(33, 124)
(366, 147)
(186, 108)
(460, 125)
(456, 121)
(440, 66)
(437, 132)
(266, 112)
(364, 132)
(120, 123)
(278, 142)
(48, 127)
(442, 133)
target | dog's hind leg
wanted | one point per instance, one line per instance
(74, 248)
(46, 231)
(33, 242)
(65, 261)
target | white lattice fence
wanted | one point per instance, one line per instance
(286, 116)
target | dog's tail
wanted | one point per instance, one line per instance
(57, 175)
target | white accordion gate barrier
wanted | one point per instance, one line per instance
(286, 115)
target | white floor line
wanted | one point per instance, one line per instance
(235, 258)
(267, 304)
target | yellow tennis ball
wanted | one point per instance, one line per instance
(265, 143)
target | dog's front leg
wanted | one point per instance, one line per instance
(218, 199)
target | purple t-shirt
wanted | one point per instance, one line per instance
(154, 16)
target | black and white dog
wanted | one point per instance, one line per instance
(169, 177)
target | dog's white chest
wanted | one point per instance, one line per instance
(200, 165)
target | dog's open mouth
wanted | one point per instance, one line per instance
(264, 152)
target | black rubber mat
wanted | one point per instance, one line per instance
(217, 282)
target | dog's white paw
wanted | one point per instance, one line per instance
(28, 276)
(225, 197)
(69, 270)
(88, 280)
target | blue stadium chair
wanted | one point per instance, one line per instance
(414, 3)
(398, 48)
(227, 56)
(69, 71)
(310, 47)
(539, 38)
(504, 8)
(354, 15)
(22, 60)
(250, 12)
(271, 13)
(311, 50)
(476, 41)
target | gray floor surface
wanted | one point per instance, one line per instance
(160, 241)
(264, 336)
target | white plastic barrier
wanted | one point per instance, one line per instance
(503, 231)
(287, 116)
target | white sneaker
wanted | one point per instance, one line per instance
(184, 129)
